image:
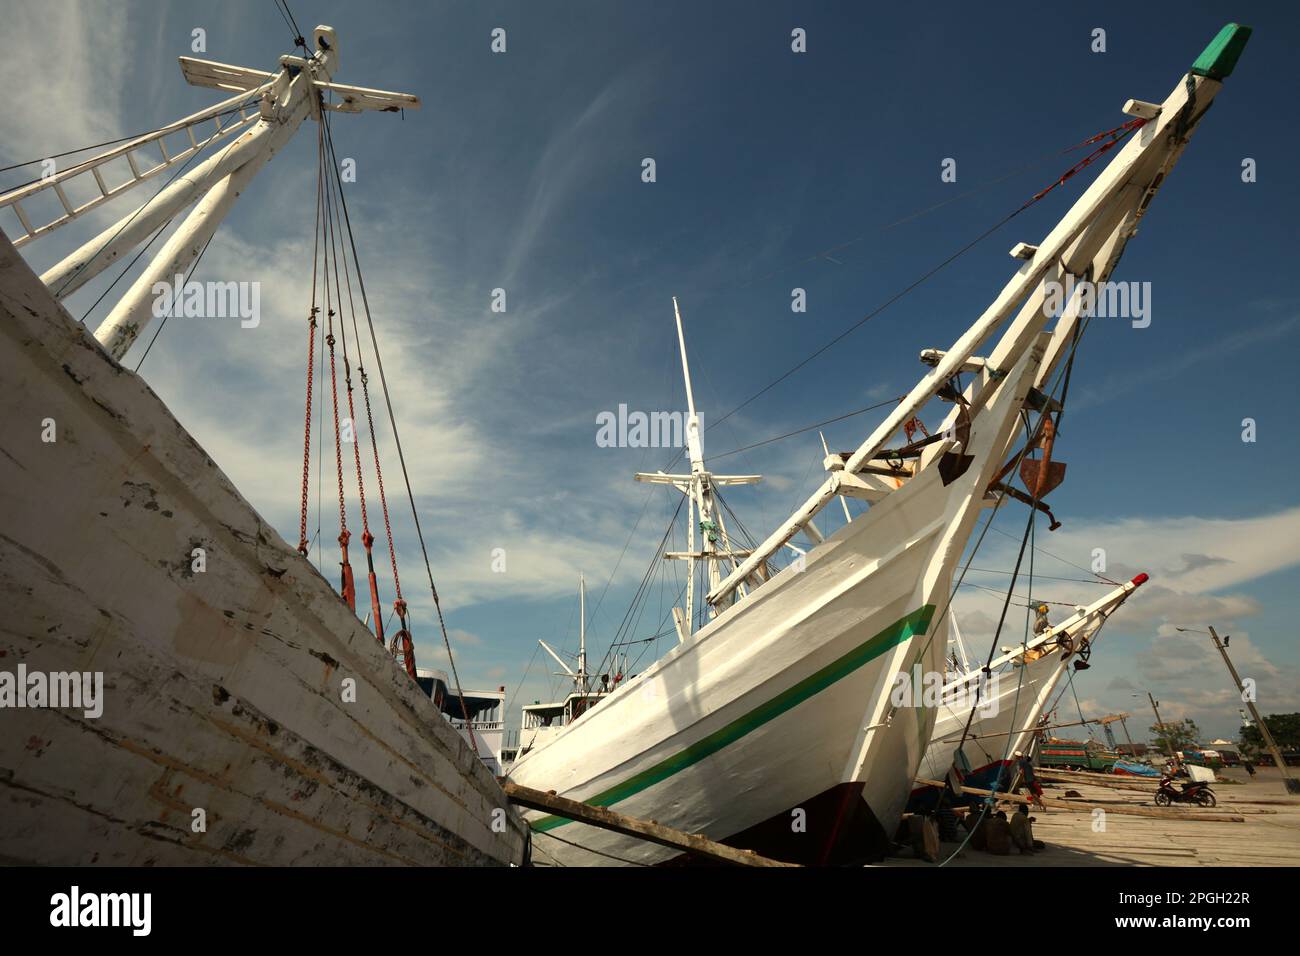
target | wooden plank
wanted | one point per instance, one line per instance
(1102, 779)
(649, 830)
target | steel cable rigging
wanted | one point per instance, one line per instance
(406, 646)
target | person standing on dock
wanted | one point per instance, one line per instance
(1026, 767)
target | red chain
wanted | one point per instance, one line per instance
(306, 430)
(367, 539)
(311, 363)
(348, 588)
(356, 443)
(1117, 135)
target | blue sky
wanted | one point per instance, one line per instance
(522, 171)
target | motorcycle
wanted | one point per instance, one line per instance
(1192, 792)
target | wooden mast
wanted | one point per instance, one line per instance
(701, 505)
(582, 635)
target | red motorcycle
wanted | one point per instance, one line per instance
(1193, 792)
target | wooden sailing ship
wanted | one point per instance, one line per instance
(248, 716)
(771, 726)
(981, 731)
(540, 721)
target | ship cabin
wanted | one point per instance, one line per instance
(481, 721)
(542, 721)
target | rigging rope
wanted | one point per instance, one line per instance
(347, 586)
(808, 428)
(158, 331)
(655, 560)
(400, 604)
(111, 142)
(826, 253)
(367, 539)
(1117, 135)
(1063, 382)
(59, 292)
(287, 16)
(129, 266)
(1047, 577)
(1028, 601)
(873, 313)
(397, 441)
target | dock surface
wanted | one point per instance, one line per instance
(1269, 835)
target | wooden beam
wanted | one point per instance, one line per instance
(1166, 814)
(1092, 227)
(649, 830)
(1141, 784)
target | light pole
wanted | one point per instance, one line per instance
(1123, 722)
(1292, 786)
(1160, 724)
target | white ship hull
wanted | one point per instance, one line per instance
(222, 689)
(990, 740)
(766, 711)
(1004, 721)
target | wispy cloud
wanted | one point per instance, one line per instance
(570, 153)
(90, 46)
(1197, 566)
(1117, 385)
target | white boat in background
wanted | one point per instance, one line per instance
(478, 715)
(541, 722)
(991, 730)
(771, 726)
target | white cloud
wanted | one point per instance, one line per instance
(68, 69)
(1196, 566)
(563, 164)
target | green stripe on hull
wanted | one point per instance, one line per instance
(918, 622)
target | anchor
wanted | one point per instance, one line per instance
(1042, 475)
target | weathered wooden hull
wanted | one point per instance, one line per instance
(223, 688)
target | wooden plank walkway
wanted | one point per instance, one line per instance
(1269, 835)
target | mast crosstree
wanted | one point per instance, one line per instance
(702, 512)
(267, 107)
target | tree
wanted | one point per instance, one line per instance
(1177, 735)
(1285, 729)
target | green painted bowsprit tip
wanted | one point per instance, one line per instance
(1219, 58)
